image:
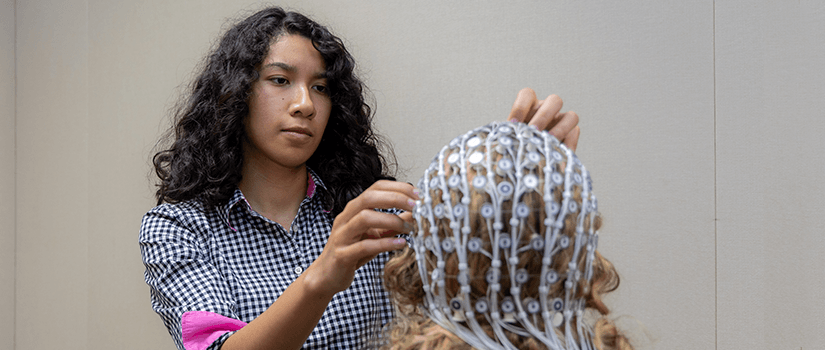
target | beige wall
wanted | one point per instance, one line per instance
(7, 171)
(701, 126)
(770, 166)
(52, 125)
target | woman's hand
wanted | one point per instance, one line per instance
(546, 115)
(357, 232)
(354, 240)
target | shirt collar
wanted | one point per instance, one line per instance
(314, 184)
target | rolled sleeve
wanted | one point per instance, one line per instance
(179, 270)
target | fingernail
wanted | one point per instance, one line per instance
(513, 120)
(399, 241)
(417, 193)
(408, 226)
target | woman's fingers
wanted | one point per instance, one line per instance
(546, 115)
(572, 138)
(360, 220)
(370, 233)
(381, 233)
(566, 129)
(407, 217)
(382, 195)
(524, 107)
(397, 186)
(368, 249)
(374, 224)
(382, 199)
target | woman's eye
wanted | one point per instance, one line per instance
(321, 88)
(279, 81)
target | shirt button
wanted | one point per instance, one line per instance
(298, 270)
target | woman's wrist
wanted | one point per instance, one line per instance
(318, 283)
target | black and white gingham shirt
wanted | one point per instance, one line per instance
(232, 261)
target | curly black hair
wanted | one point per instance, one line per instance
(204, 161)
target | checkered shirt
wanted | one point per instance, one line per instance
(232, 261)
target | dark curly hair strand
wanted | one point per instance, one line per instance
(204, 161)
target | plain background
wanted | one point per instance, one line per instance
(702, 126)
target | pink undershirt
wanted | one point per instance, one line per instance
(199, 329)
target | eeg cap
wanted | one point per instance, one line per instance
(515, 201)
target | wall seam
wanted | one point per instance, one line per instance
(715, 199)
(14, 181)
(87, 49)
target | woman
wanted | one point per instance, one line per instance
(273, 143)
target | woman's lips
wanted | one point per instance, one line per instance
(299, 131)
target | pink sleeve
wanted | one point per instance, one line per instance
(199, 329)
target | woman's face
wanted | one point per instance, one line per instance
(288, 106)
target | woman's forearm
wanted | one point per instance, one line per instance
(287, 323)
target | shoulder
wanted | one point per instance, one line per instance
(190, 208)
(189, 216)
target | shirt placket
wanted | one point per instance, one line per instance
(297, 240)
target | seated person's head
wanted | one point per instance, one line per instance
(504, 249)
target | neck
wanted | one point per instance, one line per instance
(274, 192)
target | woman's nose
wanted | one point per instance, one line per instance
(302, 104)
